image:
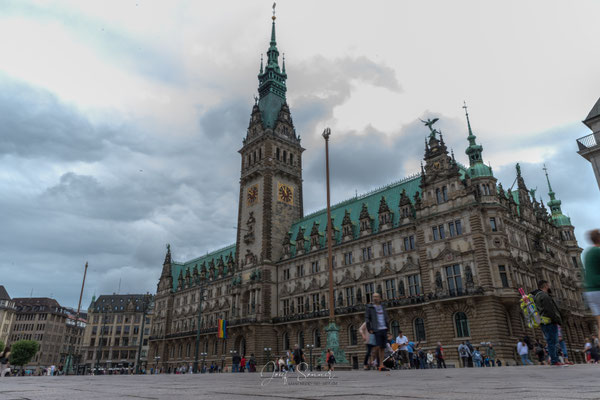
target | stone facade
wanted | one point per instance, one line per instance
(44, 320)
(117, 325)
(447, 248)
(7, 315)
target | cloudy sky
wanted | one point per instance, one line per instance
(120, 120)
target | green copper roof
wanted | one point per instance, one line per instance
(271, 84)
(354, 206)
(478, 168)
(202, 262)
(558, 217)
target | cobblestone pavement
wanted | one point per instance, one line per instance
(536, 382)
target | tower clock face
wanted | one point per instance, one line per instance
(285, 194)
(252, 195)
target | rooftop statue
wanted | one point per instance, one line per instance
(429, 123)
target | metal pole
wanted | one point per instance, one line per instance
(326, 134)
(145, 305)
(70, 357)
(195, 366)
(100, 344)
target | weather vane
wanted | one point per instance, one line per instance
(274, 4)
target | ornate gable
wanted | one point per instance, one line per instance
(409, 265)
(366, 273)
(447, 254)
(347, 278)
(386, 270)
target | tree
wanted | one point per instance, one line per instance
(22, 352)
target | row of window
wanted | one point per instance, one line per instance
(120, 318)
(32, 317)
(454, 229)
(367, 254)
(353, 295)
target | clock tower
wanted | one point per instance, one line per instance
(271, 173)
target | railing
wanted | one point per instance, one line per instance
(587, 142)
(405, 301)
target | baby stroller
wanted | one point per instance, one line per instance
(391, 356)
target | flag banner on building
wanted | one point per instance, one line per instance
(222, 333)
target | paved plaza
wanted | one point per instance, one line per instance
(539, 382)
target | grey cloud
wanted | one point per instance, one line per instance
(34, 124)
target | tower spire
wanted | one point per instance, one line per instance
(557, 216)
(271, 82)
(474, 150)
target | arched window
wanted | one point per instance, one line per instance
(188, 350)
(216, 347)
(224, 347)
(286, 341)
(462, 325)
(419, 326)
(301, 339)
(180, 350)
(206, 346)
(317, 338)
(352, 335)
(395, 328)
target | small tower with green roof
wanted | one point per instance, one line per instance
(477, 168)
(557, 216)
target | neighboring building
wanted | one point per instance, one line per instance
(44, 320)
(116, 326)
(7, 315)
(73, 338)
(589, 146)
(447, 248)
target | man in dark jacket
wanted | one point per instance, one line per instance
(377, 322)
(548, 308)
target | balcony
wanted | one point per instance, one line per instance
(587, 142)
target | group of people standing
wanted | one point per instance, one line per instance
(471, 356)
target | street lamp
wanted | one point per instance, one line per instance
(146, 304)
(156, 360)
(268, 351)
(310, 347)
(201, 295)
(203, 354)
(333, 331)
(233, 352)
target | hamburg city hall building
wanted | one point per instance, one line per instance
(447, 248)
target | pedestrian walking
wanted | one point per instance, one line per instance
(298, 356)
(377, 322)
(235, 363)
(243, 363)
(547, 308)
(369, 339)
(464, 354)
(591, 263)
(562, 346)
(430, 360)
(491, 354)
(439, 355)
(402, 342)
(330, 358)
(523, 351)
(471, 349)
(477, 358)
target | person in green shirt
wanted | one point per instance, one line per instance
(591, 263)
